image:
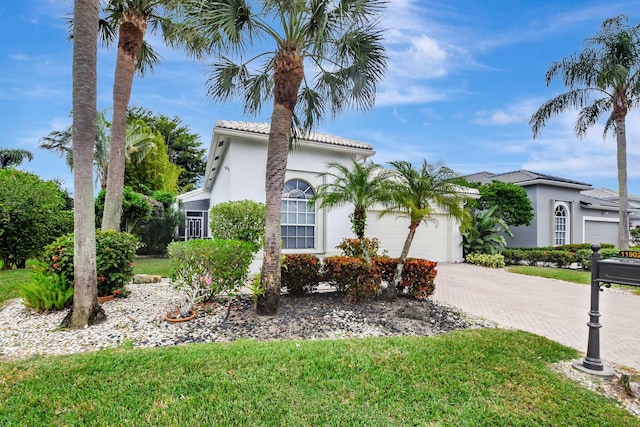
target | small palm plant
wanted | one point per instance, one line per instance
(486, 234)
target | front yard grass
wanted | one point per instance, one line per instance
(487, 377)
(566, 274)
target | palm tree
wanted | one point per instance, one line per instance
(608, 66)
(418, 194)
(13, 157)
(337, 40)
(362, 185)
(85, 310)
(138, 142)
(130, 19)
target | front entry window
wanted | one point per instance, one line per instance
(560, 225)
(297, 215)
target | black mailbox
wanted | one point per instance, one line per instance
(623, 271)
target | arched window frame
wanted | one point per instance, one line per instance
(561, 224)
(298, 216)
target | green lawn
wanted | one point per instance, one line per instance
(568, 275)
(486, 377)
(156, 266)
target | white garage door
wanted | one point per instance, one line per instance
(601, 232)
(432, 242)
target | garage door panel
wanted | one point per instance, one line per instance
(430, 242)
(601, 232)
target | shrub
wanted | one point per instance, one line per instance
(238, 220)
(47, 290)
(418, 275)
(418, 278)
(32, 214)
(115, 255)
(560, 258)
(353, 247)
(513, 256)
(360, 280)
(635, 236)
(300, 273)
(222, 264)
(486, 260)
(583, 256)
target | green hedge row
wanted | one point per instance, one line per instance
(301, 274)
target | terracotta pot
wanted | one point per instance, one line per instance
(168, 317)
(105, 299)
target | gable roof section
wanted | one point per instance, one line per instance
(526, 178)
(224, 130)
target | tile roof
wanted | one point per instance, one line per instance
(520, 176)
(263, 128)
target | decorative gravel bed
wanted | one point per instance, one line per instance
(139, 320)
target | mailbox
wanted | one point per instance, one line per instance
(623, 271)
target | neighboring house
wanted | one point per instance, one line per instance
(236, 171)
(565, 211)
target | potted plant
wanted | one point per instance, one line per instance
(193, 290)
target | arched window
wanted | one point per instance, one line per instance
(561, 224)
(297, 215)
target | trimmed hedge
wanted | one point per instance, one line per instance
(354, 276)
(418, 276)
(301, 273)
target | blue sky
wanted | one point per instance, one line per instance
(464, 78)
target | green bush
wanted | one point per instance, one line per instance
(353, 247)
(513, 256)
(223, 264)
(238, 220)
(300, 273)
(33, 213)
(115, 256)
(418, 275)
(359, 279)
(47, 290)
(583, 256)
(635, 236)
(486, 260)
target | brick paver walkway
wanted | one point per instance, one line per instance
(551, 308)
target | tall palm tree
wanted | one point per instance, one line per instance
(338, 40)
(608, 66)
(362, 185)
(130, 19)
(138, 142)
(85, 310)
(13, 157)
(418, 194)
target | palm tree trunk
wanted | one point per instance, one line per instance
(132, 29)
(623, 226)
(390, 292)
(287, 78)
(85, 310)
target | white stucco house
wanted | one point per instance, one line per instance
(236, 171)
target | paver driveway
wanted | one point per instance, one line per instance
(548, 307)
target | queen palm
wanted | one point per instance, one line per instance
(362, 185)
(608, 67)
(419, 194)
(338, 41)
(13, 157)
(85, 310)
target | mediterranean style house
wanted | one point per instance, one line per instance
(236, 171)
(565, 211)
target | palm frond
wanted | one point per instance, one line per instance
(574, 99)
(226, 79)
(590, 115)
